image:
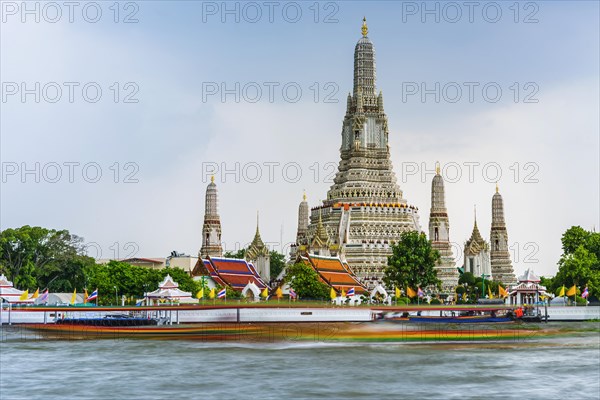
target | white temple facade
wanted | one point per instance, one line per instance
(477, 255)
(258, 254)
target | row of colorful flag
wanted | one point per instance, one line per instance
(44, 296)
(410, 292)
(333, 294)
(222, 294)
(573, 291)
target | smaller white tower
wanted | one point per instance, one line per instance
(439, 234)
(502, 268)
(211, 230)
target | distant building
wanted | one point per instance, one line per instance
(185, 262)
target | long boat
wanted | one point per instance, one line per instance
(463, 319)
(303, 332)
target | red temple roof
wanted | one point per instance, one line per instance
(334, 273)
(233, 272)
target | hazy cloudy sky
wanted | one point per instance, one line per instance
(527, 109)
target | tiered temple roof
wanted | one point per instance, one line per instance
(233, 272)
(334, 273)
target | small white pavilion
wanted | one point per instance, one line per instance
(10, 294)
(528, 290)
(168, 291)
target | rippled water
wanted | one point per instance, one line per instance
(545, 368)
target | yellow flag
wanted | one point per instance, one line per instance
(502, 292)
(265, 293)
(490, 295)
(343, 293)
(572, 291)
(200, 294)
(74, 297)
(212, 294)
(332, 293)
(410, 292)
(24, 295)
(85, 296)
(562, 291)
(36, 294)
(398, 293)
(279, 293)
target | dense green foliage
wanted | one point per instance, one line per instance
(305, 282)
(241, 253)
(475, 287)
(579, 264)
(35, 257)
(121, 279)
(412, 263)
(276, 263)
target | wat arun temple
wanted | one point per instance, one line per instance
(365, 210)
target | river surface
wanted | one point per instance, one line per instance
(564, 366)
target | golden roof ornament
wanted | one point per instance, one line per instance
(437, 167)
(212, 179)
(496, 187)
(364, 28)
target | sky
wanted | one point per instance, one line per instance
(113, 118)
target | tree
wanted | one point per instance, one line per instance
(241, 253)
(467, 279)
(579, 264)
(305, 282)
(276, 263)
(574, 237)
(38, 257)
(578, 269)
(412, 263)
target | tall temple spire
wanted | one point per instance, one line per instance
(364, 68)
(302, 232)
(439, 234)
(502, 268)
(364, 212)
(211, 229)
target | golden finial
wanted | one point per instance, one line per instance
(496, 187)
(364, 28)
(437, 167)
(304, 196)
(212, 179)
